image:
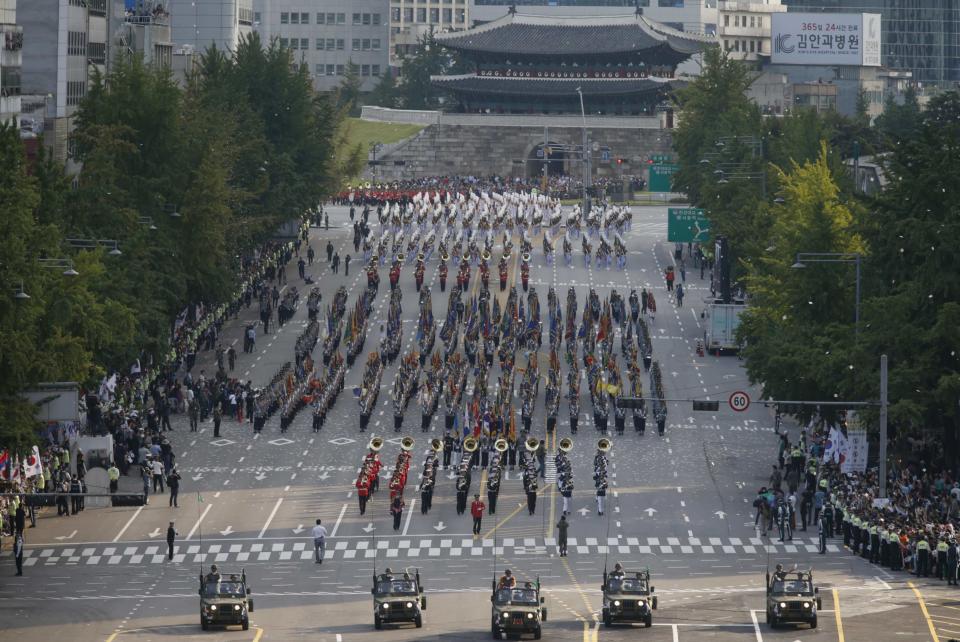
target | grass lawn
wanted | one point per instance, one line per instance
(367, 132)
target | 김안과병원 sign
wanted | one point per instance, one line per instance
(826, 39)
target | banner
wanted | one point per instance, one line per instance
(855, 457)
(826, 39)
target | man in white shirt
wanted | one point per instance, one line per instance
(156, 467)
(319, 536)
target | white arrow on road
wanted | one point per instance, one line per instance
(674, 374)
(260, 476)
(154, 533)
(368, 527)
(452, 475)
(649, 511)
(439, 527)
(584, 511)
(197, 477)
(299, 529)
(227, 531)
(63, 537)
(720, 514)
(324, 476)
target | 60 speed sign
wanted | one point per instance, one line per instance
(739, 401)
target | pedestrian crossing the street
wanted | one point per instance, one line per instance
(406, 548)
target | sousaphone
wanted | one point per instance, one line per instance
(470, 444)
(566, 444)
(401, 257)
(444, 257)
(603, 445)
(500, 445)
(376, 443)
(406, 443)
(436, 445)
(485, 256)
(532, 444)
(420, 257)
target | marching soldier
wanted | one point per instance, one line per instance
(493, 491)
(822, 532)
(463, 488)
(426, 491)
(447, 449)
(363, 493)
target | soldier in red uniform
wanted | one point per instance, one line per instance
(394, 275)
(503, 274)
(363, 492)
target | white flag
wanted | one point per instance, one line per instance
(32, 464)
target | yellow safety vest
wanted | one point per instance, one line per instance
(922, 545)
(942, 547)
(873, 530)
(894, 538)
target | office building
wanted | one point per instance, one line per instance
(744, 28)
(202, 23)
(146, 32)
(328, 35)
(411, 20)
(11, 35)
(921, 36)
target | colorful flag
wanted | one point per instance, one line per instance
(33, 465)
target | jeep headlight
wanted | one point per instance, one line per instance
(409, 605)
(505, 615)
(616, 602)
(529, 616)
(806, 605)
(385, 606)
(236, 607)
(641, 603)
(213, 607)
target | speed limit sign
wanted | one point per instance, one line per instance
(739, 401)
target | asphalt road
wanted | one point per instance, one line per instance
(678, 504)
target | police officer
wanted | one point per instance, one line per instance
(923, 556)
(896, 559)
(942, 548)
(874, 543)
(113, 474)
(952, 562)
(822, 532)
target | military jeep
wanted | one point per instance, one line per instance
(792, 598)
(517, 611)
(398, 598)
(628, 598)
(224, 600)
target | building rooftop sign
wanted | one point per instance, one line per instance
(826, 39)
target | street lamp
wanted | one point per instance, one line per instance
(59, 264)
(91, 244)
(586, 154)
(147, 221)
(834, 257)
(20, 294)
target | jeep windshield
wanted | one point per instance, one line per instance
(223, 589)
(792, 587)
(521, 596)
(396, 587)
(627, 585)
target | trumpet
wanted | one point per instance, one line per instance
(406, 443)
(500, 445)
(566, 444)
(470, 444)
(603, 445)
(376, 443)
(436, 444)
(532, 444)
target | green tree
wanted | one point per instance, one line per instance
(431, 59)
(348, 93)
(384, 94)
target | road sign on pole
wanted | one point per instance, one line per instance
(739, 401)
(687, 225)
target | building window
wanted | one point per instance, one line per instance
(284, 43)
(97, 53)
(365, 70)
(408, 14)
(339, 70)
(321, 18)
(752, 21)
(366, 44)
(356, 19)
(752, 45)
(284, 18)
(461, 16)
(375, 70)
(726, 20)
(422, 14)
(736, 20)
(710, 29)
(331, 18)
(304, 43)
(331, 44)
(726, 44)
(256, 17)
(76, 90)
(376, 19)
(356, 44)
(743, 46)
(447, 16)
(304, 18)
(294, 18)
(319, 70)
(340, 44)
(375, 44)
(736, 45)
(760, 22)
(319, 44)
(330, 70)
(76, 43)
(434, 16)
(366, 19)
(341, 18)
(395, 14)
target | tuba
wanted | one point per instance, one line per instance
(603, 445)
(507, 254)
(406, 443)
(566, 444)
(466, 256)
(500, 445)
(374, 260)
(436, 444)
(420, 257)
(376, 443)
(532, 444)
(486, 255)
(526, 257)
(401, 257)
(444, 257)
(470, 444)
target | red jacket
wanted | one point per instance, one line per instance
(477, 508)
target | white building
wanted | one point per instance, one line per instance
(146, 32)
(410, 20)
(202, 23)
(328, 35)
(11, 37)
(744, 28)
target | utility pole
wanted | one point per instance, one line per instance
(883, 426)
(586, 157)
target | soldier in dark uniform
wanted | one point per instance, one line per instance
(447, 449)
(463, 488)
(512, 452)
(426, 490)
(493, 491)
(530, 486)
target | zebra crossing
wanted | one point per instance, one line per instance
(405, 548)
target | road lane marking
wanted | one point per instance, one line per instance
(836, 614)
(756, 625)
(127, 525)
(270, 519)
(343, 510)
(676, 632)
(406, 524)
(923, 609)
(256, 638)
(199, 519)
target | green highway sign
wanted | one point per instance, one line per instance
(661, 177)
(661, 158)
(687, 225)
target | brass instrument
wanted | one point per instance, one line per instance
(444, 257)
(603, 445)
(532, 444)
(506, 255)
(374, 259)
(486, 255)
(436, 444)
(406, 443)
(566, 444)
(420, 257)
(401, 257)
(526, 257)
(376, 443)
(500, 445)
(466, 256)
(470, 444)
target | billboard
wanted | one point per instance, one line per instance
(826, 39)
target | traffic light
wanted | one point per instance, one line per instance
(619, 161)
(710, 406)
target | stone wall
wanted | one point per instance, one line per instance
(484, 150)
